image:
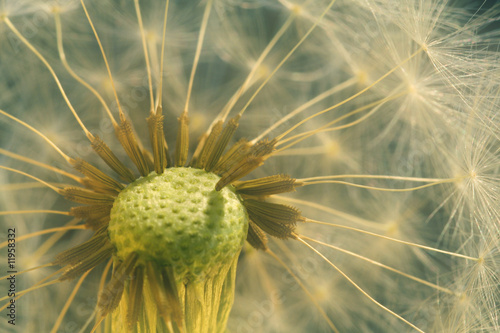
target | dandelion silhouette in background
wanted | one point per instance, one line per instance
(251, 166)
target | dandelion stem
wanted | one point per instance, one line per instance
(392, 239)
(311, 297)
(358, 287)
(374, 262)
(51, 70)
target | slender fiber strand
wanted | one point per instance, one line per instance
(68, 302)
(315, 302)
(374, 262)
(162, 56)
(30, 176)
(303, 107)
(287, 56)
(199, 46)
(146, 55)
(40, 164)
(103, 56)
(444, 181)
(43, 232)
(62, 55)
(358, 287)
(352, 97)
(51, 70)
(31, 128)
(258, 62)
(393, 239)
(27, 270)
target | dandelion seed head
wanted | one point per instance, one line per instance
(174, 221)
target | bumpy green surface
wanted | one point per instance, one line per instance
(178, 219)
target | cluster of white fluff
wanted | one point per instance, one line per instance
(425, 77)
